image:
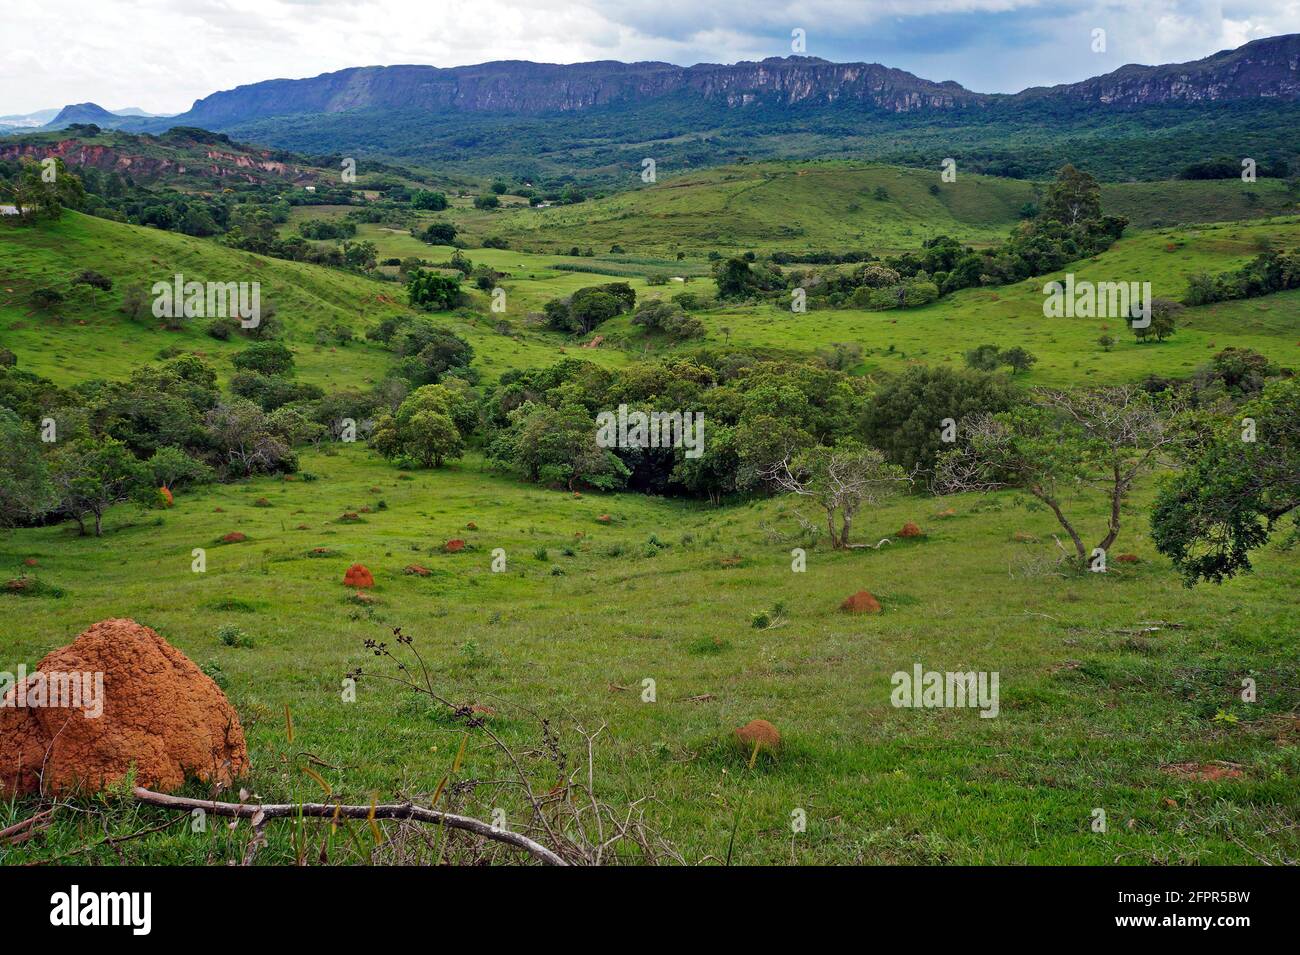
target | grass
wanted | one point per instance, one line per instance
(87, 337)
(1092, 707)
(832, 205)
(1089, 715)
(1067, 348)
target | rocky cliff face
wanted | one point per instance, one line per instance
(532, 88)
(1263, 68)
(211, 163)
(1267, 68)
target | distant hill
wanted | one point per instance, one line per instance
(841, 206)
(180, 158)
(85, 113)
(38, 118)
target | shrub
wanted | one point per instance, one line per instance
(232, 636)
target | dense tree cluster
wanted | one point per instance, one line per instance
(588, 307)
(1269, 272)
(103, 443)
(1069, 225)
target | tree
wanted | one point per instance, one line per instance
(432, 291)
(95, 281)
(428, 199)
(429, 351)
(266, 358)
(1239, 372)
(668, 318)
(25, 488)
(46, 298)
(245, 442)
(489, 201)
(840, 480)
(983, 358)
(1019, 359)
(432, 438)
(426, 427)
(360, 255)
(171, 467)
(43, 190)
(1164, 318)
(904, 418)
(437, 233)
(734, 278)
(557, 447)
(1074, 198)
(1208, 518)
(90, 475)
(1104, 439)
(588, 307)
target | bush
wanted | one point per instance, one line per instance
(436, 233)
(232, 636)
(47, 298)
(433, 291)
(222, 328)
(266, 358)
(428, 199)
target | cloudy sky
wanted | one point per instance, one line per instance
(161, 55)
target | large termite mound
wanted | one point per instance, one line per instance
(141, 703)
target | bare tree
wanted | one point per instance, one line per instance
(841, 480)
(1103, 438)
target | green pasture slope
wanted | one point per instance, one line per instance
(88, 337)
(1067, 348)
(1097, 710)
(833, 205)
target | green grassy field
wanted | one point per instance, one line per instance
(833, 205)
(88, 337)
(1096, 709)
(1067, 348)
(1089, 712)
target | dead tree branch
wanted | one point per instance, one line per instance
(334, 810)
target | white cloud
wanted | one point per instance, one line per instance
(163, 54)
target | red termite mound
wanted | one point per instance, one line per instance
(359, 576)
(861, 602)
(144, 704)
(759, 733)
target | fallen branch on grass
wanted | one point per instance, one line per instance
(876, 546)
(24, 830)
(334, 810)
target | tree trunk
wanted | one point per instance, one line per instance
(830, 524)
(1069, 528)
(1116, 498)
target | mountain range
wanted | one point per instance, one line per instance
(1262, 68)
(591, 120)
